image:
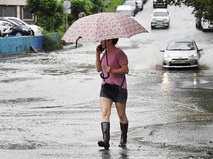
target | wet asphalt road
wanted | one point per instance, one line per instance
(50, 101)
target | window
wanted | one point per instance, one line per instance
(26, 15)
(8, 11)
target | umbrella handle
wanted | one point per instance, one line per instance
(102, 76)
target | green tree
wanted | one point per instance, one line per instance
(87, 6)
(49, 13)
(112, 5)
(79, 6)
(97, 5)
(202, 8)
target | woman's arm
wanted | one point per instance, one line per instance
(98, 60)
(123, 70)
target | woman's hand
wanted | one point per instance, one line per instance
(123, 70)
(108, 69)
(98, 50)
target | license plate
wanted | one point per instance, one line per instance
(159, 23)
(179, 61)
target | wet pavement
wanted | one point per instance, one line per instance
(49, 102)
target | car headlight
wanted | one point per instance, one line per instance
(153, 20)
(194, 55)
(166, 20)
(166, 55)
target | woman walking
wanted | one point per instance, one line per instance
(115, 63)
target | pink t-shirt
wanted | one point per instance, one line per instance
(115, 60)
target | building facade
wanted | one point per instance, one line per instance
(15, 8)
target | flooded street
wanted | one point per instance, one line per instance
(49, 102)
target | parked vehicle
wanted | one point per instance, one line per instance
(133, 4)
(16, 29)
(160, 18)
(204, 24)
(181, 54)
(36, 30)
(5, 29)
(126, 10)
(159, 3)
(139, 4)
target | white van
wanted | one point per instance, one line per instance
(125, 9)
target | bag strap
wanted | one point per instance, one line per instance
(123, 81)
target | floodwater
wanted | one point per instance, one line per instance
(49, 102)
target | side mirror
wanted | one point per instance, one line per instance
(162, 50)
(200, 49)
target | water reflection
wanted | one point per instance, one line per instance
(165, 78)
(195, 80)
(108, 154)
(124, 154)
(190, 81)
(164, 84)
(105, 154)
(195, 89)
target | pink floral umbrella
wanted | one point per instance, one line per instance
(103, 26)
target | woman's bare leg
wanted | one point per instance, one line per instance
(106, 105)
(121, 110)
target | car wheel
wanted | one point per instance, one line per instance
(18, 34)
(167, 26)
(32, 33)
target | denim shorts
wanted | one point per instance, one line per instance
(120, 98)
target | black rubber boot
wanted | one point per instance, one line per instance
(105, 126)
(124, 130)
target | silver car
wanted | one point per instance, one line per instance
(139, 4)
(181, 54)
(160, 18)
(204, 24)
(133, 4)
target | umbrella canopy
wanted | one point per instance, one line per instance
(103, 26)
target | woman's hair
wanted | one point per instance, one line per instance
(114, 41)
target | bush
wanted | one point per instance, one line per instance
(51, 44)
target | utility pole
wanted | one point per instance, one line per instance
(67, 9)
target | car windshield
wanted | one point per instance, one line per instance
(186, 45)
(132, 3)
(160, 14)
(17, 21)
